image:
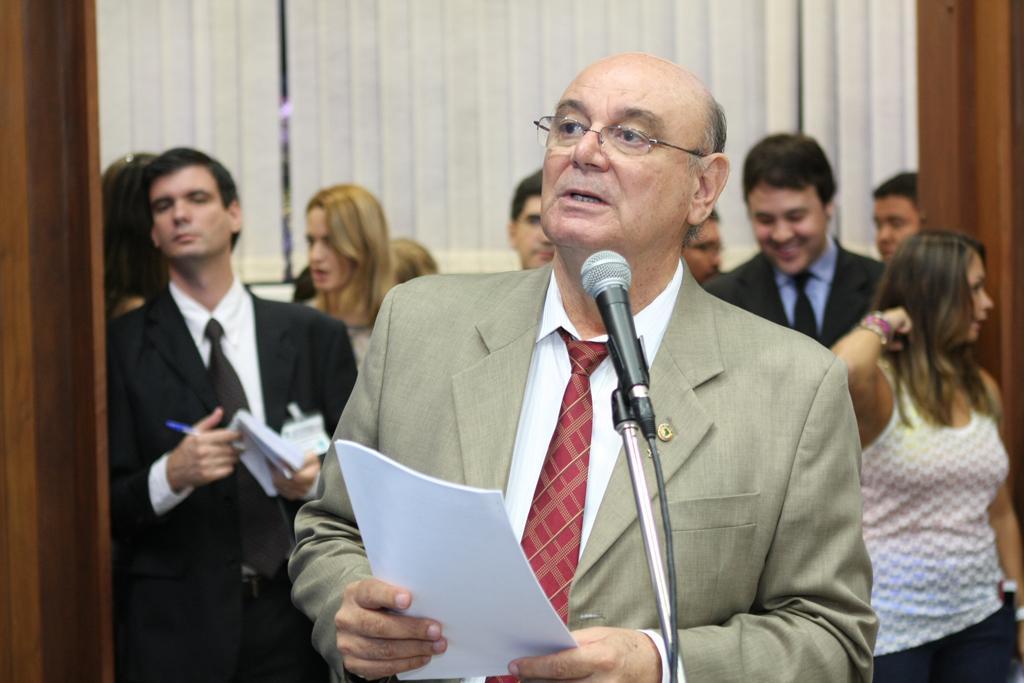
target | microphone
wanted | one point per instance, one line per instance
(606, 277)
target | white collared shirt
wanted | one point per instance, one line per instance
(549, 375)
(235, 314)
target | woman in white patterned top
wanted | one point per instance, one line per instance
(938, 520)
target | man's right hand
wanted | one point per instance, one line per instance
(205, 456)
(374, 642)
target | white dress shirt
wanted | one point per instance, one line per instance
(235, 314)
(549, 375)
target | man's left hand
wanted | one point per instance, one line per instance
(604, 654)
(302, 479)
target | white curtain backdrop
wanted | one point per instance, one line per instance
(429, 103)
(205, 74)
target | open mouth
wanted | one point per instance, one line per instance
(585, 198)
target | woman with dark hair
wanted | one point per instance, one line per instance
(349, 258)
(133, 269)
(938, 520)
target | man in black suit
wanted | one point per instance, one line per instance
(801, 278)
(201, 590)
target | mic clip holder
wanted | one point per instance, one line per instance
(638, 407)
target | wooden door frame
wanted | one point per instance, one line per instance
(55, 617)
(971, 176)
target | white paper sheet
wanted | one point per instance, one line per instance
(264, 446)
(452, 546)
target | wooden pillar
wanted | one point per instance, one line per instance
(55, 609)
(971, 108)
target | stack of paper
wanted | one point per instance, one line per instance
(265, 448)
(453, 548)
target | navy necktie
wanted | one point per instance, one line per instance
(803, 313)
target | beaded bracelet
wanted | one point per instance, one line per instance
(876, 323)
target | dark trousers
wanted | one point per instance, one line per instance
(978, 654)
(276, 645)
(275, 642)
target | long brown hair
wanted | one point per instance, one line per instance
(928, 277)
(358, 231)
(132, 266)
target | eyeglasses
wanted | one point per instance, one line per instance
(562, 131)
(709, 248)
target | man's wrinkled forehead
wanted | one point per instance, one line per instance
(619, 110)
(642, 88)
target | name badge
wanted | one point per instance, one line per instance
(306, 431)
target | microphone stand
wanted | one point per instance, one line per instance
(629, 429)
(606, 276)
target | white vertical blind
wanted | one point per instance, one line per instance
(820, 73)
(429, 103)
(781, 70)
(205, 74)
(738, 78)
(853, 86)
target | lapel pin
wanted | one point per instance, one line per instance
(665, 432)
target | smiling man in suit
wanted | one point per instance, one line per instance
(500, 381)
(802, 278)
(201, 589)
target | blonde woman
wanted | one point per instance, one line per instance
(938, 520)
(349, 258)
(411, 260)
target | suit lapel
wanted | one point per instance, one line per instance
(689, 356)
(487, 419)
(851, 288)
(168, 334)
(765, 298)
(277, 361)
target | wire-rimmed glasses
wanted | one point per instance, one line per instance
(563, 131)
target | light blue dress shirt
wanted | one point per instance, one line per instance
(818, 286)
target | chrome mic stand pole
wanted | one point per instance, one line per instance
(629, 429)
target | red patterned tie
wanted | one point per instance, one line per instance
(551, 540)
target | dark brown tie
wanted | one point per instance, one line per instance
(266, 537)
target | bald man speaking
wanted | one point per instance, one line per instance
(464, 381)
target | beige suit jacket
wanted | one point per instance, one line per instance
(762, 475)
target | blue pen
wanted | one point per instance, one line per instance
(180, 427)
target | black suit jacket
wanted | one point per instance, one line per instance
(178, 599)
(751, 286)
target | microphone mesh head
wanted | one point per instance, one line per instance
(603, 270)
